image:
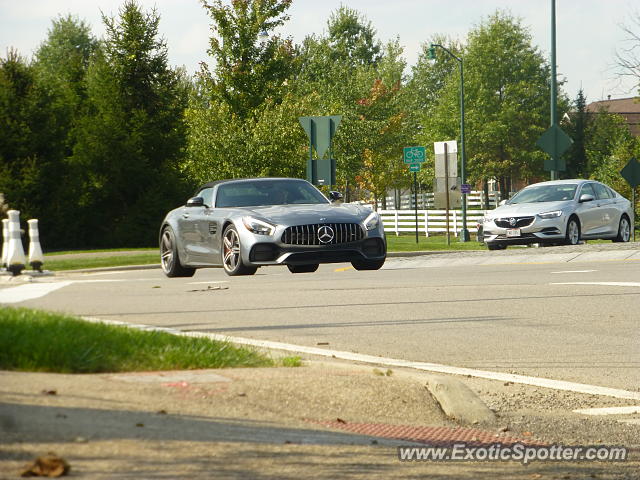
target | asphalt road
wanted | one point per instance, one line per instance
(535, 316)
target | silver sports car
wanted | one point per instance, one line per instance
(245, 224)
(560, 211)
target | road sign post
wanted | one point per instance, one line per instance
(414, 157)
(320, 131)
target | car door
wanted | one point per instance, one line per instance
(608, 221)
(203, 227)
(588, 212)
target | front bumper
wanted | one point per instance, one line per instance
(263, 250)
(541, 230)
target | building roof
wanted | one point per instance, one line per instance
(629, 108)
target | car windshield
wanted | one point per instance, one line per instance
(262, 193)
(545, 193)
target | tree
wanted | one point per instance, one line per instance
(506, 103)
(131, 139)
(628, 59)
(352, 38)
(249, 68)
(576, 127)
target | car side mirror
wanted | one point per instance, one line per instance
(195, 202)
(335, 196)
(502, 202)
(585, 197)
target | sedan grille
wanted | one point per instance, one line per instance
(514, 222)
(323, 234)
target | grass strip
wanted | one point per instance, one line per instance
(407, 243)
(38, 341)
(100, 261)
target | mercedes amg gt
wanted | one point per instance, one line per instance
(241, 225)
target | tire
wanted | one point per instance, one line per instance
(368, 264)
(624, 230)
(496, 246)
(572, 237)
(303, 268)
(230, 249)
(169, 257)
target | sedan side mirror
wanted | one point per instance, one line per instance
(585, 197)
(195, 202)
(335, 196)
(502, 202)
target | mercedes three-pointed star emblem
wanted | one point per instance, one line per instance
(325, 234)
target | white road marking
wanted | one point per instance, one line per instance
(604, 284)
(393, 362)
(609, 410)
(29, 291)
(576, 271)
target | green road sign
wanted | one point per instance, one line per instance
(554, 142)
(320, 131)
(414, 154)
(631, 173)
(414, 167)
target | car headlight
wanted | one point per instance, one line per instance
(554, 214)
(372, 221)
(258, 226)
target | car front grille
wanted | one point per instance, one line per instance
(323, 234)
(519, 222)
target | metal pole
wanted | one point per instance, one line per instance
(446, 189)
(554, 86)
(464, 233)
(415, 200)
(633, 204)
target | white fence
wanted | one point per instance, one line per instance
(429, 221)
(425, 200)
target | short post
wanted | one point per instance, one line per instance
(446, 189)
(36, 258)
(415, 200)
(5, 242)
(15, 258)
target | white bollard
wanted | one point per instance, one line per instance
(15, 257)
(5, 242)
(36, 258)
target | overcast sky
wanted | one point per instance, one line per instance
(588, 31)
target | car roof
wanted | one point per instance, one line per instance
(576, 181)
(241, 180)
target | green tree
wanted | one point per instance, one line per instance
(132, 138)
(250, 64)
(506, 103)
(352, 38)
(576, 128)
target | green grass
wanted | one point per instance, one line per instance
(99, 261)
(407, 243)
(38, 341)
(101, 250)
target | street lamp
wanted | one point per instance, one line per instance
(464, 233)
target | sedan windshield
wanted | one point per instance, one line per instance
(262, 193)
(545, 193)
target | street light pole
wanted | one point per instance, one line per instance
(464, 233)
(554, 84)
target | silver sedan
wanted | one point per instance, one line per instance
(241, 225)
(560, 211)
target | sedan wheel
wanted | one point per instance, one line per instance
(169, 258)
(624, 230)
(368, 264)
(231, 254)
(573, 232)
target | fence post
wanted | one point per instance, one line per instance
(455, 222)
(426, 222)
(396, 223)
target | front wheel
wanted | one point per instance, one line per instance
(169, 258)
(303, 268)
(572, 236)
(231, 257)
(368, 264)
(624, 230)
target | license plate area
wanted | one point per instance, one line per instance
(513, 232)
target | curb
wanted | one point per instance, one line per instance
(459, 402)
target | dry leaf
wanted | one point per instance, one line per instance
(49, 465)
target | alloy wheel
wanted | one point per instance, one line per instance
(231, 249)
(166, 251)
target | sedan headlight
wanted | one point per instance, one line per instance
(258, 226)
(554, 214)
(372, 221)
